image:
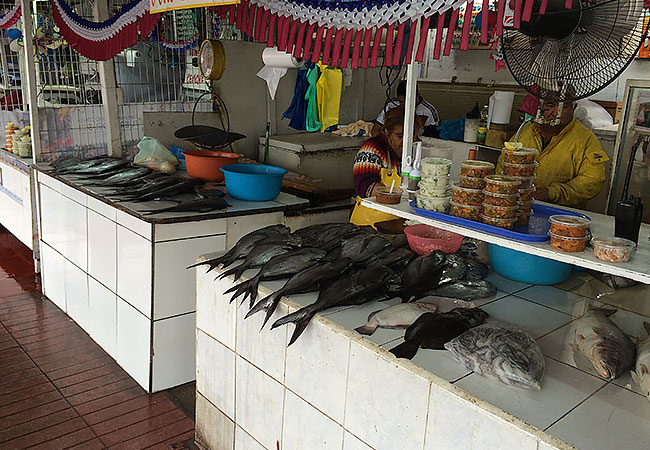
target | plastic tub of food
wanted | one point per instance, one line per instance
(435, 191)
(466, 196)
(437, 204)
(435, 181)
(567, 243)
(435, 166)
(500, 199)
(384, 195)
(525, 206)
(466, 211)
(476, 169)
(502, 184)
(526, 195)
(423, 239)
(508, 224)
(527, 182)
(613, 249)
(499, 212)
(519, 170)
(471, 182)
(571, 226)
(523, 218)
(521, 156)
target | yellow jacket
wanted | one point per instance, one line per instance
(572, 166)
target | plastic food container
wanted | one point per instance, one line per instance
(571, 226)
(526, 195)
(383, 195)
(613, 249)
(423, 239)
(476, 169)
(525, 206)
(253, 182)
(521, 156)
(471, 182)
(500, 199)
(508, 224)
(435, 191)
(435, 166)
(437, 204)
(567, 244)
(523, 218)
(502, 184)
(466, 211)
(519, 170)
(435, 181)
(499, 212)
(466, 196)
(527, 182)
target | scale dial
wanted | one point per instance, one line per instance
(212, 59)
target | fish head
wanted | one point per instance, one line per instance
(475, 316)
(608, 358)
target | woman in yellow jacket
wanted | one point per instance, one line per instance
(571, 160)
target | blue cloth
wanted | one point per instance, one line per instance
(297, 110)
(452, 130)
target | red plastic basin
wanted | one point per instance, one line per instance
(205, 164)
(423, 239)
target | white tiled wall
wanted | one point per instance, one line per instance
(134, 269)
(53, 275)
(217, 385)
(103, 310)
(15, 215)
(76, 294)
(133, 342)
(174, 351)
(306, 427)
(102, 250)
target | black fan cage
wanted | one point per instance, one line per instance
(587, 60)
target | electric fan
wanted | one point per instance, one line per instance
(570, 53)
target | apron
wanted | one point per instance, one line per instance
(362, 215)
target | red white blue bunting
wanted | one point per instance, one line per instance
(11, 16)
(101, 41)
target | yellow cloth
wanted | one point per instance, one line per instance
(572, 166)
(328, 95)
(362, 215)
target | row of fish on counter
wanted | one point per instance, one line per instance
(350, 265)
(124, 181)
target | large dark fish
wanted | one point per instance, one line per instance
(362, 247)
(129, 174)
(420, 274)
(363, 284)
(327, 235)
(149, 186)
(81, 165)
(397, 260)
(260, 255)
(244, 245)
(280, 266)
(64, 162)
(198, 205)
(453, 270)
(168, 191)
(465, 290)
(434, 329)
(476, 270)
(308, 280)
(104, 166)
(139, 181)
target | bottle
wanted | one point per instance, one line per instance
(481, 131)
(406, 170)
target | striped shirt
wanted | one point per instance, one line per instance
(370, 159)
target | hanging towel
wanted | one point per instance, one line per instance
(328, 88)
(311, 121)
(297, 110)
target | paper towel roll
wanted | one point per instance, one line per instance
(276, 64)
(500, 107)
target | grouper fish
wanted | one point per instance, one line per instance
(260, 255)
(641, 374)
(420, 274)
(401, 315)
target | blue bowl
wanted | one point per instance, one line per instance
(253, 182)
(525, 268)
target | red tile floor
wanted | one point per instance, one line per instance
(58, 389)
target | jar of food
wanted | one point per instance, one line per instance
(466, 211)
(519, 170)
(520, 156)
(466, 196)
(499, 212)
(432, 167)
(10, 130)
(567, 244)
(526, 195)
(572, 226)
(436, 204)
(502, 184)
(523, 218)
(527, 182)
(508, 224)
(471, 182)
(500, 199)
(384, 195)
(435, 181)
(613, 249)
(435, 191)
(476, 169)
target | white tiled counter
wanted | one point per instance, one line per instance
(334, 389)
(16, 198)
(122, 276)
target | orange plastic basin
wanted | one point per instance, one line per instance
(205, 164)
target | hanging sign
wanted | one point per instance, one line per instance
(156, 6)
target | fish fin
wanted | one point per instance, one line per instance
(262, 305)
(294, 317)
(235, 270)
(271, 309)
(635, 377)
(209, 262)
(251, 291)
(300, 327)
(372, 314)
(646, 325)
(644, 369)
(406, 349)
(365, 329)
(239, 288)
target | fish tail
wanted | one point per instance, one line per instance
(300, 318)
(365, 329)
(228, 272)
(262, 305)
(238, 287)
(406, 350)
(251, 292)
(240, 290)
(211, 262)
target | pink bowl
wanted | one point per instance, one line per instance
(423, 239)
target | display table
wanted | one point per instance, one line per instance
(16, 198)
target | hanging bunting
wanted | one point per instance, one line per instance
(101, 41)
(177, 46)
(11, 16)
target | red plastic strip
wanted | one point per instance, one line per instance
(542, 7)
(309, 35)
(244, 17)
(264, 26)
(232, 12)
(328, 45)
(270, 39)
(441, 26)
(365, 56)
(376, 44)
(528, 10)
(409, 47)
(252, 12)
(424, 34)
(388, 56)
(221, 11)
(300, 40)
(349, 34)
(568, 4)
(464, 38)
(318, 45)
(283, 33)
(450, 32)
(336, 55)
(500, 12)
(292, 36)
(397, 51)
(517, 14)
(356, 49)
(258, 23)
(484, 22)
(240, 15)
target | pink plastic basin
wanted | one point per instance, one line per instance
(423, 239)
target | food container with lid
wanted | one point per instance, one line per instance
(613, 249)
(521, 156)
(435, 167)
(527, 182)
(499, 212)
(572, 226)
(471, 182)
(466, 211)
(384, 195)
(519, 170)
(435, 181)
(526, 195)
(523, 218)
(508, 224)
(435, 191)
(500, 199)
(567, 243)
(502, 184)
(436, 204)
(466, 196)
(423, 239)
(476, 169)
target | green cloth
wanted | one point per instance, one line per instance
(312, 122)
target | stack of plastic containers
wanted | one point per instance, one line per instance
(467, 194)
(433, 193)
(520, 162)
(501, 201)
(568, 233)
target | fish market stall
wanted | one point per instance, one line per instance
(16, 197)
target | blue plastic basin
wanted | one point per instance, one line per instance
(525, 268)
(253, 182)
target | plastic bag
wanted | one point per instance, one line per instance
(154, 155)
(501, 352)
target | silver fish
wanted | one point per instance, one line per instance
(603, 343)
(641, 374)
(401, 315)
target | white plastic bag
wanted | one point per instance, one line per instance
(156, 156)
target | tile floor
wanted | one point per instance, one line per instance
(58, 389)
